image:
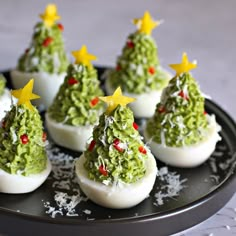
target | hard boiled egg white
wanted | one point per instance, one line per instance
(72, 137)
(145, 104)
(16, 183)
(188, 156)
(5, 103)
(45, 85)
(117, 196)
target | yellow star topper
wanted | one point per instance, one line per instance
(116, 99)
(25, 94)
(50, 15)
(146, 24)
(82, 56)
(184, 66)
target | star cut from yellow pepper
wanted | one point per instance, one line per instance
(50, 15)
(82, 56)
(116, 99)
(184, 66)
(25, 94)
(146, 24)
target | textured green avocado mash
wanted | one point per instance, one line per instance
(138, 70)
(2, 84)
(126, 165)
(17, 157)
(179, 119)
(46, 52)
(76, 102)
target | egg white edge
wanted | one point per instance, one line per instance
(145, 104)
(187, 156)
(73, 137)
(45, 85)
(117, 196)
(17, 184)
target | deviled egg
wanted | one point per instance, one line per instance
(117, 170)
(138, 70)
(24, 165)
(76, 108)
(181, 133)
(45, 60)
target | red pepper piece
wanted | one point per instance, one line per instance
(135, 125)
(151, 70)
(4, 124)
(118, 68)
(130, 44)
(94, 101)
(72, 81)
(161, 109)
(204, 112)
(44, 136)
(92, 145)
(184, 96)
(102, 170)
(60, 27)
(24, 139)
(142, 150)
(116, 143)
(47, 41)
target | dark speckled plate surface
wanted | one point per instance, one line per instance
(208, 188)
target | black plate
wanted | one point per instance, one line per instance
(207, 189)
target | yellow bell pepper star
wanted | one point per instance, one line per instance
(116, 99)
(25, 94)
(146, 24)
(184, 66)
(50, 15)
(82, 56)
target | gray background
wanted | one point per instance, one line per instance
(205, 29)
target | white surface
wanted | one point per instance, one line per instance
(116, 196)
(204, 29)
(16, 184)
(187, 156)
(69, 136)
(45, 85)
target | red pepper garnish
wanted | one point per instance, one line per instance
(161, 109)
(130, 44)
(204, 112)
(142, 150)
(151, 70)
(184, 96)
(102, 170)
(116, 143)
(24, 139)
(94, 101)
(44, 136)
(60, 27)
(118, 67)
(4, 124)
(135, 125)
(72, 81)
(47, 41)
(92, 145)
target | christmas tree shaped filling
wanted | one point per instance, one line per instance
(76, 102)
(180, 118)
(116, 153)
(138, 69)
(22, 139)
(46, 52)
